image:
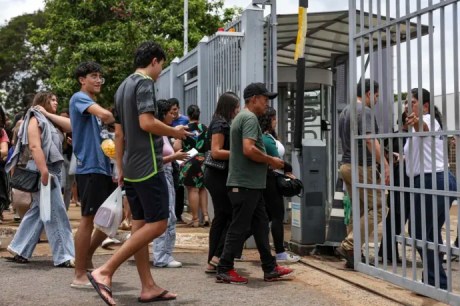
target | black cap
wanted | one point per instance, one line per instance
(256, 89)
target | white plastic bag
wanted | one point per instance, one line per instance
(109, 216)
(45, 200)
(73, 165)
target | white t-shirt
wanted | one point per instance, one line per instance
(413, 157)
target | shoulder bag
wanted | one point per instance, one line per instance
(212, 163)
(25, 179)
(287, 186)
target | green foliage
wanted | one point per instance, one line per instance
(108, 32)
(17, 75)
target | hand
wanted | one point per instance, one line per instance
(181, 132)
(69, 140)
(44, 177)
(289, 174)
(276, 163)
(121, 178)
(181, 155)
(412, 119)
(41, 109)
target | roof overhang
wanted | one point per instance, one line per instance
(327, 36)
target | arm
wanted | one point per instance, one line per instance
(100, 112)
(252, 152)
(119, 150)
(150, 124)
(35, 147)
(376, 144)
(3, 150)
(177, 145)
(62, 122)
(217, 144)
(179, 155)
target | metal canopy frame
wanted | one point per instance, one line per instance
(327, 36)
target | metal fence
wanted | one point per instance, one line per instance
(226, 61)
(412, 213)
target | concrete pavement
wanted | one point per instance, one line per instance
(316, 281)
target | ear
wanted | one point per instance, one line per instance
(81, 80)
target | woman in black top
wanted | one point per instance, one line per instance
(215, 180)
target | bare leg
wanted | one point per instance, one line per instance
(203, 196)
(82, 247)
(96, 240)
(137, 245)
(193, 202)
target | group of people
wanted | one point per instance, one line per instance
(421, 165)
(150, 137)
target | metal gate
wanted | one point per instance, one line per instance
(419, 216)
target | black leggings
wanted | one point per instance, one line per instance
(215, 181)
(274, 203)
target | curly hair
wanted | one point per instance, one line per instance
(164, 106)
(265, 120)
(85, 68)
(146, 52)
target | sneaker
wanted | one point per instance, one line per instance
(174, 264)
(282, 257)
(67, 264)
(231, 277)
(108, 241)
(277, 273)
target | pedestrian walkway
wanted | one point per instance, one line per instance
(316, 280)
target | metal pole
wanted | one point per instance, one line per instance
(274, 57)
(299, 56)
(185, 27)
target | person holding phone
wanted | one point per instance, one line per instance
(39, 134)
(192, 171)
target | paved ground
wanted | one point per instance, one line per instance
(316, 281)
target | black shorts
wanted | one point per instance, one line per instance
(149, 199)
(93, 190)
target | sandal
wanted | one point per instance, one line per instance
(194, 223)
(18, 259)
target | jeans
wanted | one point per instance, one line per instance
(215, 181)
(58, 229)
(249, 215)
(163, 246)
(429, 221)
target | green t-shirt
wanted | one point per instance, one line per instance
(270, 145)
(244, 172)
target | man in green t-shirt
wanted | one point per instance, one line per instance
(246, 181)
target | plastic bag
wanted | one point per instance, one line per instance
(109, 216)
(21, 201)
(45, 200)
(73, 165)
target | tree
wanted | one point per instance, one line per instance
(108, 32)
(17, 75)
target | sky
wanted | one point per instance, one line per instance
(12, 8)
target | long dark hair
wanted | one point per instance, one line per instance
(226, 106)
(265, 120)
(426, 98)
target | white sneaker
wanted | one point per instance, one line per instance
(174, 264)
(108, 241)
(287, 257)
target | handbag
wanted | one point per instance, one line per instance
(212, 163)
(25, 179)
(288, 187)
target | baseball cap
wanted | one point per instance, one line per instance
(256, 89)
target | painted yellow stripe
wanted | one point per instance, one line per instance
(301, 33)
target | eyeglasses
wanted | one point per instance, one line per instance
(96, 78)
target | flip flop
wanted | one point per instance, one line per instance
(82, 286)
(98, 286)
(158, 298)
